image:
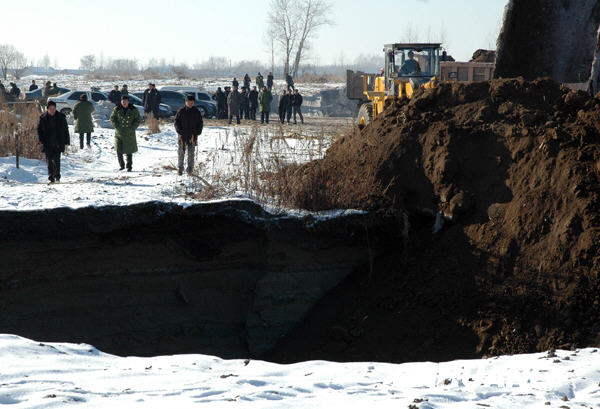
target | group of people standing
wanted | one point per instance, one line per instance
(12, 94)
(243, 105)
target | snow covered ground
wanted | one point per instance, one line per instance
(90, 177)
(37, 375)
(81, 82)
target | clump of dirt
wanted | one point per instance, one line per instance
(484, 56)
(512, 169)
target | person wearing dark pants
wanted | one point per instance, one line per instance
(288, 108)
(297, 105)
(283, 106)
(233, 104)
(84, 125)
(253, 103)
(125, 118)
(188, 124)
(264, 104)
(53, 134)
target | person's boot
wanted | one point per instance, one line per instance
(89, 140)
(180, 172)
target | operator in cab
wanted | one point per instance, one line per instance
(410, 66)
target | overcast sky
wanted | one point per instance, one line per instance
(192, 30)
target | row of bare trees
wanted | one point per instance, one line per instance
(292, 25)
(12, 61)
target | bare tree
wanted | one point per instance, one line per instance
(283, 26)
(313, 14)
(44, 62)
(7, 55)
(88, 62)
(19, 64)
(181, 71)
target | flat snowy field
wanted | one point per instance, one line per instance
(90, 177)
(37, 375)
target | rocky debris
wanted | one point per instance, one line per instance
(513, 167)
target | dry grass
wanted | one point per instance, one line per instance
(312, 78)
(20, 119)
(256, 163)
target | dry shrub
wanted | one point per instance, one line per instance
(21, 119)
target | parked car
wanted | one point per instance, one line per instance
(175, 98)
(164, 111)
(66, 102)
(36, 95)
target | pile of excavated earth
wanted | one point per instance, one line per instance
(507, 174)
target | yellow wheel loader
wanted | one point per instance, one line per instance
(407, 67)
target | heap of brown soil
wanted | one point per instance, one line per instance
(513, 166)
(484, 56)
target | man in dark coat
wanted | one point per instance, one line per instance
(253, 103)
(290, 82)
(288, 108)
(221, 100)
(297, 105)
(227, 92)
(244, 104)
(188, 124)
(151, 100)
(247, 82)
(115, 96)
(46, 89)
(53, 134)
(125, 90)
(284, 101)
(14, 91)
(235, 82)
(33, 86)
(270, 81)
(233, 104)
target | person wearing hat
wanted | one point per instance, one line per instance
(124, 90)
(151, 100)
(82, 114)
(188, 124)
(125, 118)
(53, 134)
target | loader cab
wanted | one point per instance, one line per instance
(417, 63)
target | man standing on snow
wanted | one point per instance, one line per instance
(188, 124)
(233, 103)
(284, 101)
(260, 81)
(247, 82)
(115, 96)
(125, 118)
(253, 103)
(264, 101)
(84, 125)
(270, 82)
(244, 104)
(235, 82)
(290, 82)
(297, 105)
(53, 134)
(221, 100)
(151, 100)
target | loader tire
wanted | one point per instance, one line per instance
(365, 115)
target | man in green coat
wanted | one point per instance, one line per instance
(125, 118)
(82, 114)
(264, 103)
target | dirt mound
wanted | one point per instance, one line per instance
(512, 168)
(484, 56)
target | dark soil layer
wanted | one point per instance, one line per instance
(513, 167)
(553, 38)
